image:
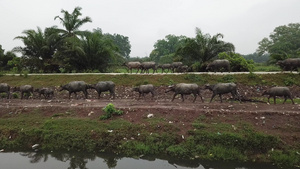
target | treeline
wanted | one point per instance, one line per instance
(67, 50)
(72, 50)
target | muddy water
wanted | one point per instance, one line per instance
(36, 160)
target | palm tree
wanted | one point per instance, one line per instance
(203, 47)
(72, 22)
(39, 48)
(99, 50)
(69, 52)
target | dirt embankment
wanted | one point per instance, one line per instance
(280, 120)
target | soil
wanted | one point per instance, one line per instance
(281, 120)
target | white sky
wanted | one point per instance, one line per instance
(242, 22)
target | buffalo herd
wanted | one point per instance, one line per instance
(178, 89)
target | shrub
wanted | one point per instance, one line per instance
(15, 95)
(110, 110)
(237, 62)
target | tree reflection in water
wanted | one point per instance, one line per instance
(77, 160)
(80, 160)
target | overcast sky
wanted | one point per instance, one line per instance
(242, 22)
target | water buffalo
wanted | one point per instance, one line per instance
(223, 88)
(278, 91)
(75, 86)
(5, 88)
(289, 64)
(219, 65)
(104, 86)
(142, 89)
(46, 92)
(175, 65)
(133, 65)
(148, 65)
(24, 89)
(165, 67)
(185, 89)
(182, 69)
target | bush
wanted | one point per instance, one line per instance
(237, 62)
(110, 110)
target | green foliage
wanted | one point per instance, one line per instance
(257, 58)
(69, 49)
(282, 43)
(122, 42)
(3, 95)
(289, 81)
(164, 49)
(15, 95)
(203, 48)
(110, 110)
(196, 67)
(144, 82)
(227, 79)
(219, 152)
(263, 67)
(237, 62)
(289, 158)
(5, 58)
(194, 78)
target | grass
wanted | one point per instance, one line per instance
(132, 79)
(208, 139)
(261, 67)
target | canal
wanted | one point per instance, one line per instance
(39, 160)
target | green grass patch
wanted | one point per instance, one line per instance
(260, 67)
(157, 80)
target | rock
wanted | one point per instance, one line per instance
(35, 146)
(150, 115)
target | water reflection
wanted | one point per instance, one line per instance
(84, 160)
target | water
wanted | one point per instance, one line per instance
(37, 160)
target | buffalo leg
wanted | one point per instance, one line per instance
(195, 97)
(174, 96)
(212, 97)
(220, 95)
(182, 97)
(285, 97)
(200, 97)
(291, 99)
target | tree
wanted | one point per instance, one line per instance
(5, 58)
(99, 51)
(39, 48)
(203, 48)
(69, 51)
(283, 42)
(256, 58)
(166, 47)
(72, 23)
(122, 42)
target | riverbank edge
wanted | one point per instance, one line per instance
(65, 132)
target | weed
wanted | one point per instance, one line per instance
(192, 78)
(289, 81)
(3, 95)
(290, 158)
(219, 152)
(252, 75)
(110, 110)
(227, 79)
